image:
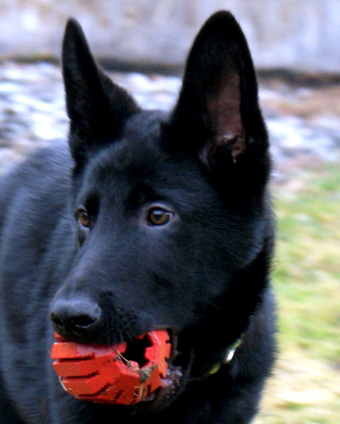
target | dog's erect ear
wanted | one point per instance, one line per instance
(97, 108)
(217, 111)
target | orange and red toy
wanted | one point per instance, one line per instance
(103, 374)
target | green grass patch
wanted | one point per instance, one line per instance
(306, 278)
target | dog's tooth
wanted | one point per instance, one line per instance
(166, 382)
(149, 398)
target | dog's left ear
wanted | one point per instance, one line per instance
(218, 111)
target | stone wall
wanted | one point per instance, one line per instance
(302, 34)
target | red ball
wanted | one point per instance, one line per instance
(105, 374)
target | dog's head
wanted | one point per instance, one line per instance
(170, 209)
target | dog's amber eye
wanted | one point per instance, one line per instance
(83, 218)
(159, 216)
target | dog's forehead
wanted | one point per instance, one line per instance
(145, 125)
(138, 155)
(138, 152)
(141, 159)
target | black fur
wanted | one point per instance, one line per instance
(203, 274)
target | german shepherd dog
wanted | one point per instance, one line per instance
(149, 221)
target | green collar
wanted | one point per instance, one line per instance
(227, 357)
(226, 360)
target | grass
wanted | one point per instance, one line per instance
(305, 387)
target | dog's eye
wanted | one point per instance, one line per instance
(83, 217)
(158, 216)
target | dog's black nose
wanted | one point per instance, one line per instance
(75, 317)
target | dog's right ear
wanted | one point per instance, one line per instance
(97, 108)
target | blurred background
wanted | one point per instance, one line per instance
(143, 45)
(300, 34)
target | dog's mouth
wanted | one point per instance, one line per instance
(147, 372)
(173, 383)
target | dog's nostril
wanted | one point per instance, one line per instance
(74, 315)
(83, 320)
(78, 321)
(56, 320)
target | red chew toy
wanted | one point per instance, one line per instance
(105, 374)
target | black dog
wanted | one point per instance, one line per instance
(158, 221)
